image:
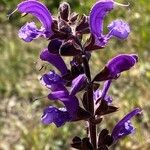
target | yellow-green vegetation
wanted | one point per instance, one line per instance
(20, 126)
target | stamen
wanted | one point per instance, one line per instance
(39, 66)
(24, 14)
(9, 15)
(38, 98)
(123, 5)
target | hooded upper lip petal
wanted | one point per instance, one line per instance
(38, 10)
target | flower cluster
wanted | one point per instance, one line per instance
(65, 35)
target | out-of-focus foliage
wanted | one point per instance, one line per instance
(20, 127)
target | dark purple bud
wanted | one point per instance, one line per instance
(77, 84)
(54, 115)
(83, 25)
(54, 46)
(64, 11)
(124, 126)
(102, 134)
(76, 139)
(64, 27)
(104, 138)
(55, 60)
(38, 10)
(74, 17)
(76, 143)
(86, 145)
(69, 48)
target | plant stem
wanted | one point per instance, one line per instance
(92, 126)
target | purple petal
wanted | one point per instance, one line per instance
(52, 81)
(54, 115)
(119, 29)
(124, 126)
(54, 46)
(98, 96)
(105, 88)
(29, 32)
(55, 60)
(72, 105)
(121, 63)
(77, 83)
(71, 102)
(38, 10)
(97, 14)
(59, 95)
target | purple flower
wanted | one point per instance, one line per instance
(77, 84)
(102, 94)
(40, 11)
(117, 28)
(55, 60)
(124, 126)
(54, 115)
(116, 65)
(29, 32)
(59, 92)
(52, 81)
(121, 63)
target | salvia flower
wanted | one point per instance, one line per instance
(117, 28)
(124, 126)
(59, 92)
(65, 34)
(52, 81)
(55, 60)
(116, 66)
(29, 31)
(54, 115)
(121, 63)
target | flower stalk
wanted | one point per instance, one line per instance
(65, 35)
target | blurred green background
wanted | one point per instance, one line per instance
(20, 126)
